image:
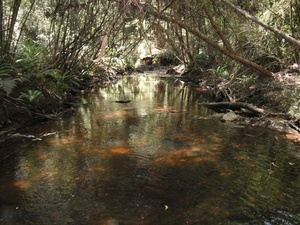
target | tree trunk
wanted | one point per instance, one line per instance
(262, 71)
(24, 23)
(218, 30)
(277, 32)
(2, 34)
(234, 106)
(15, 12)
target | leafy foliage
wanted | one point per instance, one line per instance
(246, 81)
(31, 96)
(7, 85)
(7, 82)
(49, 45)
(29, 58)
(220, 71)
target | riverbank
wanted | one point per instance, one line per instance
(271, 102)
(276, 96)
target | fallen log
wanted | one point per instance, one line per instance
(223, 106)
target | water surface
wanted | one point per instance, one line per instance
(155, 160)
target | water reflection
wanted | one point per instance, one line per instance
(150, 161)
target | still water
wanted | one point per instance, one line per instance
(152, 161)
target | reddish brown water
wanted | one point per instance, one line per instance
(151, 161)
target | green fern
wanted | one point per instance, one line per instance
(6, 70)
(7, 82)
(29, 58)
(31, 96)
(246, 81)
(7, 85)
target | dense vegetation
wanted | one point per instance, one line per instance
(47, 47)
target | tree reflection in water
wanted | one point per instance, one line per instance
(149, 161)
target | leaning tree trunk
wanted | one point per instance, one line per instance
(264, 25)
(228, 52)
(218, 29)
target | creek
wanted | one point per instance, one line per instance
(153, 160)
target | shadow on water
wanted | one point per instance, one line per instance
(150, 161)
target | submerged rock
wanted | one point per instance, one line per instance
(230, 116)
(123, 101)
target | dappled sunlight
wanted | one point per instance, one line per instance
(163, 109)
(196, 149)
(119, 151)
(189, 138)
(210, 144)
(183, 157)
(240, 158)
(88, 150)
(43, 156)
(226, 173)
(216, 148)
(66, 141)
(138, 143)
(216, 138)
(225, 170)
(237, 145)
(22, 184)
(45, 175)
(97, 169)
(46, 168)
(117, 115)
(148, 163)
(145, 86)
(85, 150)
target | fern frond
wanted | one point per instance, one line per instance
(7, 85)
(6, 70)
